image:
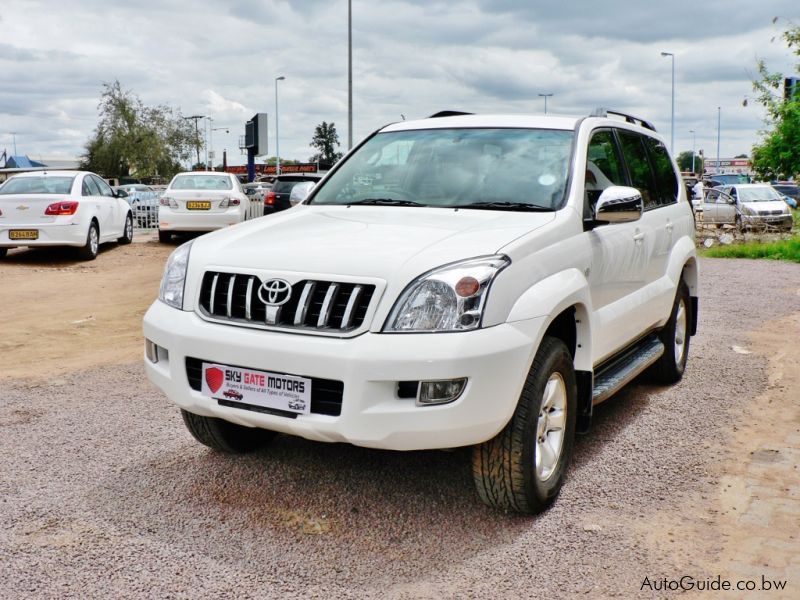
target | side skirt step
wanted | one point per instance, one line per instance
(612, 376)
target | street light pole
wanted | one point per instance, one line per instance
(672, 118)
(545, 96)
(349, 74)
(277, 143)
(719, 125)
(693, 139)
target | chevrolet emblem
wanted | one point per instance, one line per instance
(22, 207)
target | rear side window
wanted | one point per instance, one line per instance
(633, 149)
(666, 179)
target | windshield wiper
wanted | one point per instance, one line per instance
(505, 206)
(386, 202)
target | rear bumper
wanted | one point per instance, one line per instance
(171, 220)
(50, 234)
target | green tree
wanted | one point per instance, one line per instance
(132, 139)
(777, 156)
(325, 141)
(684, 160)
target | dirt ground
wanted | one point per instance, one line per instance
(62, 316)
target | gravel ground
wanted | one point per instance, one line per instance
(104, 494)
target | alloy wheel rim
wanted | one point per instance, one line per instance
(680, 332)
(93, 240)
(550, 427)
(129, 228)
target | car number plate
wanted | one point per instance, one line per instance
(23, 234)
(260, 388)
(198, 205)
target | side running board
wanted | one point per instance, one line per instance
(618, 372)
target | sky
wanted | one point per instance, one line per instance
(411, 58)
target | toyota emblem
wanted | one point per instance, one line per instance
(275, 292)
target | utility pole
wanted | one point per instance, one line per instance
(693, 144)
(545, 96)
(719, 125)
(196, 118)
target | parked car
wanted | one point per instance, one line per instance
(257, 189)
(278, 198)
(62, 208)
(202, 201)
(788, 189)
(747, 206)
(144, 202)
(462, 280)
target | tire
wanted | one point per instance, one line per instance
(3, 252)
(90, 249)
(675, 337)
(224, 436)
(510, 471)
(164, 236)
(127, 234)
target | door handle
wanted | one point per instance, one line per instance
(638, 237)
(669, 227)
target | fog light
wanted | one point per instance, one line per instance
(151, 351)
(440, 392)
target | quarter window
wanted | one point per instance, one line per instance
(89, 182)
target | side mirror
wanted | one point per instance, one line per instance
(300, 192)
(618, 204)
(121, 194)
(250, 192)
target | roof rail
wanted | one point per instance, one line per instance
(449, 113)
(604, 112)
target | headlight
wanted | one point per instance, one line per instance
(175, 276)
(450, 298)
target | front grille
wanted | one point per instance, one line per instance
(326, 394)
(325, 306)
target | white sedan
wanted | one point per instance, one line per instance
(203, 201)
(62, 208)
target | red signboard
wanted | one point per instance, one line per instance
(270, 169)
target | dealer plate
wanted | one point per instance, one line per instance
(23, 234)
(259, 388)
(198, 205)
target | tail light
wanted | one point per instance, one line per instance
(226, 202)
(67, 207)
(167, 201)
(271, 198)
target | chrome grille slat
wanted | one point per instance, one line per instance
(213, 292)
(347, 318)
(312, 306)
(230, 294)
(302, 305)
(327, 305)
(248, 300)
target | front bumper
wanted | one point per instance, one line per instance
(781, 221)
(495, 361)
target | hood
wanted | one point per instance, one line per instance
(770, 206)
(363, 241)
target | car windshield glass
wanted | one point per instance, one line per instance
(37, 185)
(762, 193)
(455, 168)
(201, 182)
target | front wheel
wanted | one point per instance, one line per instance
(89, 250)
(523, 467)
(127, 232)
(224, 436)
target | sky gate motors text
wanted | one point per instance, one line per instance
(270, 382)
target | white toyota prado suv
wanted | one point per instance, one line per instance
(457, 280)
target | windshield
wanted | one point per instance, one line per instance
(763, 193)
(201, 182)
(37, 185)
(488, 168)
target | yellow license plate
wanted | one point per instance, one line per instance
(23, 234)
(198, 205)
